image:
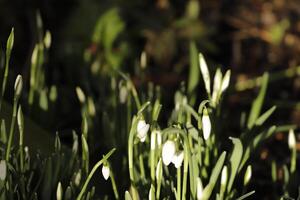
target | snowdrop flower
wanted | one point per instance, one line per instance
(199, 189)
(291, 139)
(142, 130)
(105, 171)
(206, 125)
(168, 151)
(177, 159)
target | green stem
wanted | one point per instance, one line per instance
(11, 131)
(142, 168)
(96, 166)
(113, 183)
(130, 148)
(178, 183)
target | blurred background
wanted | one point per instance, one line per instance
(92, 38)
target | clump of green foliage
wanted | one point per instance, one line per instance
(186, 159)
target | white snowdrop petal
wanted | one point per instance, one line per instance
(206, 125)
(142, 130)
(105, 172)
(178, 159)
(168, 151)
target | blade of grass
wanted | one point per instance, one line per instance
(258, 102)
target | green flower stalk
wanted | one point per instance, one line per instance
(18, 90)
(9, 46)
(96, 166)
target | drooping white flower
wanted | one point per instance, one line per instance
(105, 171)
(142, 130)
(177, 159)
(199, 189)
(168, 151)
(206, 125)
(292, 139)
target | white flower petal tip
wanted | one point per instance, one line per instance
(168, 151)
(105, 172)
(178, 159)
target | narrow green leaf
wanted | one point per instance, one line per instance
(194, 69)
(127, 196)
(246, 195)
(265, 116)
(258, 102)
(214, 177)
(235, 159)
(3, 135)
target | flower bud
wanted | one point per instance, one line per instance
(292, 139)
(47, 39)
(248, 175)
(168, 151)
(18, 86)
(3, 169)
(224, 176)
(206, 125)
(59, 192)
(158, 172)
(199, 189)
(80, 95)
(105, 171)
(123, 93)
(142, 130)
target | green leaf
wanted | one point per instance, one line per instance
(205, 74)
(235, 159)
(258, 102)
(85, 154)
(246, 195)
(254, 143)
(3, 135)
(43, 101)
(194, 69)
(214, 177)
(265, 116)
